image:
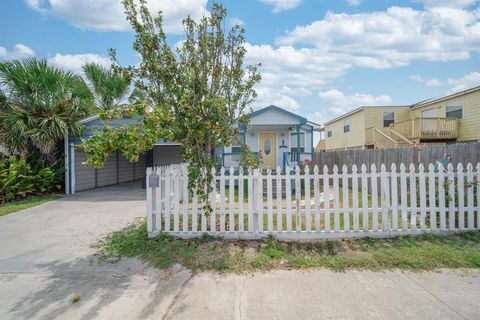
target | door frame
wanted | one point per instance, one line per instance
(275, 133)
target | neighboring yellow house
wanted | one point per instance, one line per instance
(455, 117)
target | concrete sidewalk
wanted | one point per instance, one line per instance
(46, 257)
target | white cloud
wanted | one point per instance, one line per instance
(236, 22)
(20, 51)
(74, 62)
(354, 3)
(300, 92)
(267, 96)
(468, 81)
(280, 5)
(446, 3)
(391, 38)
(108, 15)
(427, 82)
(337, 103)
(286, 66)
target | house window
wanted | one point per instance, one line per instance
(388, 118)
(329, 132)
(237, 142)
(293, 142)
(454, 109)
(346, 125)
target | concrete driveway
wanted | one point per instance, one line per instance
(46, 257)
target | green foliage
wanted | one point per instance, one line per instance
(19, 179)
(38, 106)
(26, 203)
(428, 252)
(195, 94)
(109, 88)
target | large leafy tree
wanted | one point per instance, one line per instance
(39, 104)
(109, 88)
(196, 94)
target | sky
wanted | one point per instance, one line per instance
(320, 58)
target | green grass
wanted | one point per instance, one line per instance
(420, 253)
(26, 203)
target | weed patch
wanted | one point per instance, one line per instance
(420, 253)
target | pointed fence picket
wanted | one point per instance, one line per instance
(309, 204)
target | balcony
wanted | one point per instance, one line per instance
(427, 129)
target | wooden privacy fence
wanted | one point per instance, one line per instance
(425, 154)
(313, 205)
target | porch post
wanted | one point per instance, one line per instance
(298, 145)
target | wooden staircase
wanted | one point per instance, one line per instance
(387, 139)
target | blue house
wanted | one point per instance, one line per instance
(278, 137)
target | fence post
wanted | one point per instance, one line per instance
(470, 201)
(240, 200)
(385, 197)
(413, 197)
(213, 201)
(185, 200)
(432, 197)
(260, 200)
(346, 204)
(316, 194)
(478, 195)
(251, 199)
(441, 196)
(326, 198)
(298, 195)
(423, 196)
(149, 202)
(461, 197)
(231, 200)
(355, 197)
(308, 207)
(222, 199)
(373, 181)
(278, 182)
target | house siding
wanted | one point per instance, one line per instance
(468, 126)
(353, 139)
(374, 116)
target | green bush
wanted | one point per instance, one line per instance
(19, 179)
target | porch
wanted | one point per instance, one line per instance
(413, 131)
(274, 146)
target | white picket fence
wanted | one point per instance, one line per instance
(316, 205)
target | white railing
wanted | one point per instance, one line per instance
(314, 205)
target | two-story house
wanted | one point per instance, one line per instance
(447, 119)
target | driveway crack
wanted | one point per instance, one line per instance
(175, 298)
(434, 296)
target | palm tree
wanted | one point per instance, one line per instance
(39, 104)
(109, 88)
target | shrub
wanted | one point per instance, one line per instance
(19, 179)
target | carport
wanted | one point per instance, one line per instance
(117, 168)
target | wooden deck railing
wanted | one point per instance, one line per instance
(427, 128)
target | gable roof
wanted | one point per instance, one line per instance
(449, 96)
(411, 106)
(361, 109)
(278, 109)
